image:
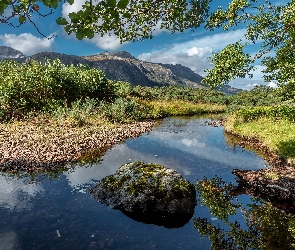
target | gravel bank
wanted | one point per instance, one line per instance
(45, 146)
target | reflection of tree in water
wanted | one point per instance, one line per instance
(266, 227)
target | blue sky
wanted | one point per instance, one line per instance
(190, 49)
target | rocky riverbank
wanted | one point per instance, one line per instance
(275, 183)
(46, 145)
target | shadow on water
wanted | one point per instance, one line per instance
(166, 220)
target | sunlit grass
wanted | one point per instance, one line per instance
(178, 107)
(276, 134)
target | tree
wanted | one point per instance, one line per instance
(127, 19)
(270, 25)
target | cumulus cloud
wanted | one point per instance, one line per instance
(193, 53)
(68, 8)
(272, 85)
(27, 43)
(107, 42)
(16, 194)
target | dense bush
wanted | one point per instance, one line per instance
(124, 110)
(33, 86)
(258, 96)
(280, 112)
(169, 93)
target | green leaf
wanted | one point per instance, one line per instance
(70, 1)
(80, 34)
(67, 29)
(111, 3)
(22, 19)
(61, 21)
(122, 4)
(74, 17)
(89, 33)
(127, 15)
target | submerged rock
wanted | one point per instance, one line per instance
(146, 191)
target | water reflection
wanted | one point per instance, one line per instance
(265, 227)
(17, 194)
(34, 210)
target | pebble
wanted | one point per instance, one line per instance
(34, 148)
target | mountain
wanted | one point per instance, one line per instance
(10, 53)
(122, 66)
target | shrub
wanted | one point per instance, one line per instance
(33, 86)
(124, 110)
(279, 112)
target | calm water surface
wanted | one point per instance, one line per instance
(57, 213)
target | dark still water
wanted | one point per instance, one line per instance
(56, 213)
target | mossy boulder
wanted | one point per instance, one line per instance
(146, 189)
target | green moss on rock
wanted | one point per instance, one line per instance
(147, 187)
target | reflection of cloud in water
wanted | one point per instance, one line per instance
(193, 143)
(15, 194)
(209, 151)
(9, 241)
(113, 159)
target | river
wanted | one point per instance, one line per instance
(56, 213)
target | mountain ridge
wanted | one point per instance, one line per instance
(122, 66)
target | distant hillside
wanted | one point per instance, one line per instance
(122, 66)
(10, 53)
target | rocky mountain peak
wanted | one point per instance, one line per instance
(121, 54)
(8, 52)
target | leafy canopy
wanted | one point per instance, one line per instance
(268, 25)
(272, 26)
(127, 19)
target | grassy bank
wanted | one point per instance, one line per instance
(273, 127)
(53, 115)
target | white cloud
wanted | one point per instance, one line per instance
(107, 42)
(16, 194)
(193, 53)
(199, 51)
(27, 43)
(68, 8)
(272, 85)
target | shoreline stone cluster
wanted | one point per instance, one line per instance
(33, 147)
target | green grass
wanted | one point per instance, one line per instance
(276, 134)
(177, 107)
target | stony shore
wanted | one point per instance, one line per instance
(275, 183)
(41, 146)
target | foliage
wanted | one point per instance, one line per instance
(127, 19)
(287, 91)
(285, 112)
(258, 96)
(266, 227)
(229, 63)
(271, 25)
(170, 93)
(123, 110)
(36, 87)
(214, 194)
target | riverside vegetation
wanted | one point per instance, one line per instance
(52, 114)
